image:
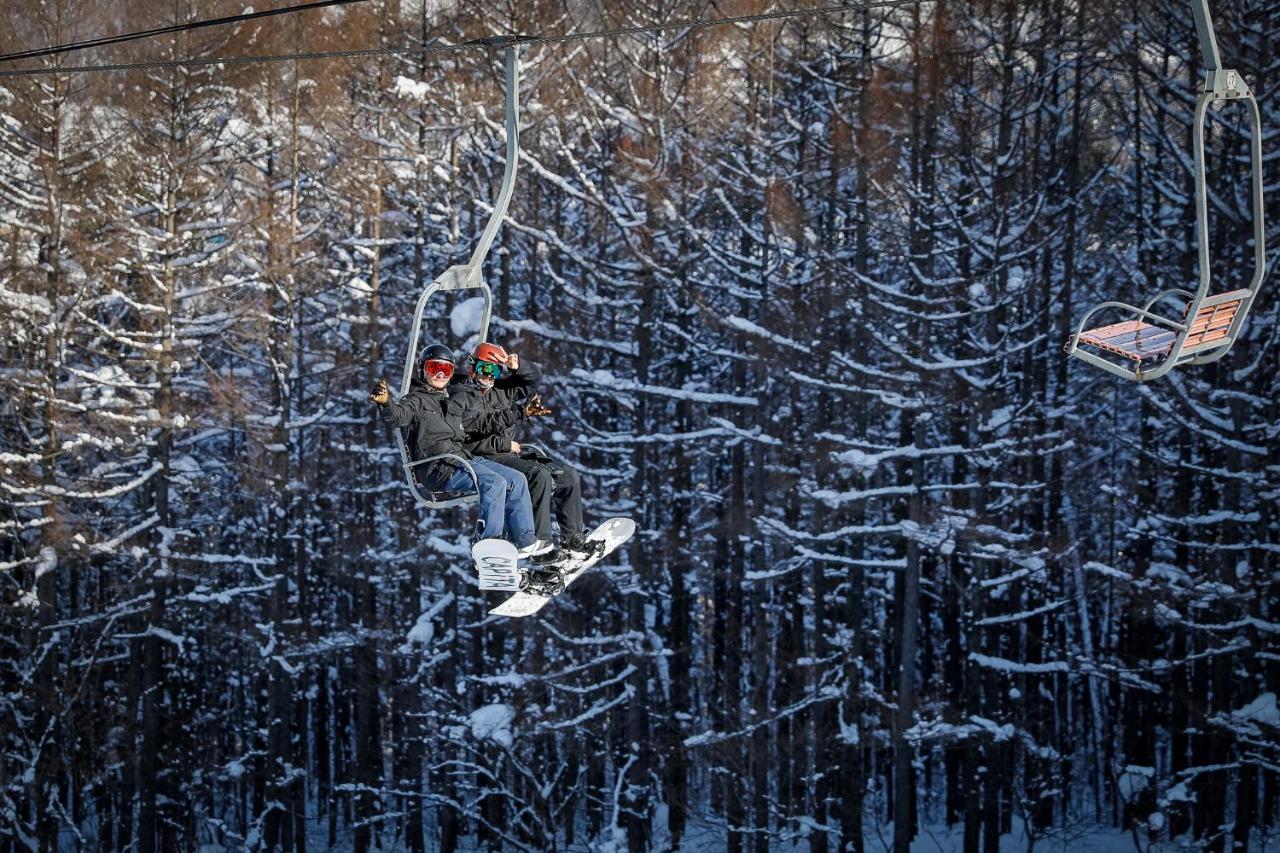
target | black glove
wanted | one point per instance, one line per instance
(536, 454)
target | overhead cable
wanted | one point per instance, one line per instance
(176, 28)
(484, 43)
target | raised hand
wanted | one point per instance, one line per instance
(381, 394)
(534, 408)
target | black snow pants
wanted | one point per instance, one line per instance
(544, 487)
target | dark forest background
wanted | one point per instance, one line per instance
(801, 290)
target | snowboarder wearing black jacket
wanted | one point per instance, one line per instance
(435, 426)
(499, 381)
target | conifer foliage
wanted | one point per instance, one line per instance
(799, 288)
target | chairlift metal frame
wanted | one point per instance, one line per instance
(467, 276)
(1209, 324)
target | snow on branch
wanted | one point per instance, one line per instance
(744, 325)
(1026, 614)
(123, 488)
(829, 535)
(606, 379)
(592, 712)
(110, 546)
(827, 694)
(533, 327)
(1005, 665)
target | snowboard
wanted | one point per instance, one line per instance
(613, 533)
(496, 564)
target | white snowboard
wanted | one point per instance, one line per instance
(496, 564)
(613, 533)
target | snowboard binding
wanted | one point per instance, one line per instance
(582, 547)
(542, 580)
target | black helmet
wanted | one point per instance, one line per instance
(434, 352)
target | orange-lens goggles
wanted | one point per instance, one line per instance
(439, 369)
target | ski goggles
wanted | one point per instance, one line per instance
(437, 369)
(488, 370)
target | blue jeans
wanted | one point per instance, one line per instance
(505, 507)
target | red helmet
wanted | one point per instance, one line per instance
(488, 362)
(491, 353)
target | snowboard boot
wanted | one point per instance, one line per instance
(548, 558)
(536, 548)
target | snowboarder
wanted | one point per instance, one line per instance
(435, 423)
(497, 381)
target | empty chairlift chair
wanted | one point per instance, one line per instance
(1151, 344)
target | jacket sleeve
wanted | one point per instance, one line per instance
(487, 424)
(522, 384)
(489, 445)
(401, 413)
(529, 375)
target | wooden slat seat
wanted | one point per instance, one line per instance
(1137, 340)
(1132, 339)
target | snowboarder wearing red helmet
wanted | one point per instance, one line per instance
(435, 425)
(499, 381)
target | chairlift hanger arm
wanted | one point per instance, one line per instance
(1221, 83)
(512, 61)
(1208, 40)
(469, 276)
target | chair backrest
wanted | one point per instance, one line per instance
(410, 451)
(1213, 322)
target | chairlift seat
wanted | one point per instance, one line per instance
(436, 498)
(452, 498)
(445, 498)
(1137, 340)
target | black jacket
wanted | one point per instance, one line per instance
(511, 391)
(433, 424)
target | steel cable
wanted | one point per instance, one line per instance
(490, 42)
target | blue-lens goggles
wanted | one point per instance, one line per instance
(488, 370)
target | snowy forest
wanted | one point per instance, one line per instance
(906, 576)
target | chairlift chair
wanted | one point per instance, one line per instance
(1208, 324)
(466, 276)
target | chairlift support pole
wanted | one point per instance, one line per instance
(469, 276)
(1220, 85)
